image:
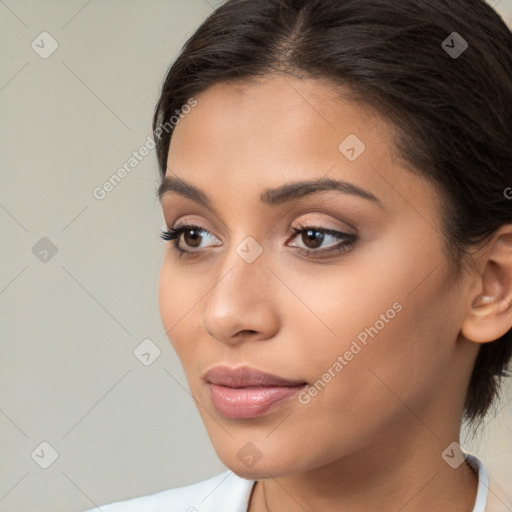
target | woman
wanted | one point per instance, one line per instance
(338, 281)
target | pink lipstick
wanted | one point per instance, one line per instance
(245, 392)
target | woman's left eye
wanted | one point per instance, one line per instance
(312, 237)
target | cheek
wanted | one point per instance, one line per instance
(166, 298)
(379, 315)
(176, 297)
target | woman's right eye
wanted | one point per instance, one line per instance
(192, 235)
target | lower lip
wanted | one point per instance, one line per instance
(249, 402)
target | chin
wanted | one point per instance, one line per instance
(262, 465)
(259, 472)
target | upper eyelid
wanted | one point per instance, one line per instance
(316, 223)
(310, 208)
(200, 207)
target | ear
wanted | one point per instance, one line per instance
(489, 314)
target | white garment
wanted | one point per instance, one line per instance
(228, 492)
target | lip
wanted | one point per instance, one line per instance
(244, 376)
(246, 392)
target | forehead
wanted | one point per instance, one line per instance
(278, 122)
(277, 112)
(243, 138)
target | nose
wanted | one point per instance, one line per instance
(241, 305)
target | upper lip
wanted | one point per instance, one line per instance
(243, 376)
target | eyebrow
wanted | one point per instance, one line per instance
(270, 197)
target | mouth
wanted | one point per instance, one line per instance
(245, 392)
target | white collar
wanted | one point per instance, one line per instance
(483, 482)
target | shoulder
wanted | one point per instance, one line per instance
(227, 492)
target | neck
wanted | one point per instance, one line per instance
(403, 472)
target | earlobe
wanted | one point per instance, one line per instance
(489, 314)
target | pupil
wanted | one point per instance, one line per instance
(311, 237)
(196, 237)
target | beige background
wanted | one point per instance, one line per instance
(70, 324)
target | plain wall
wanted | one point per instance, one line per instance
(70, 323)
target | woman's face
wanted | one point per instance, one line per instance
(363, 322)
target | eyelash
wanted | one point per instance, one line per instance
(173, 234)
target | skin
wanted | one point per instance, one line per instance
(372, 438)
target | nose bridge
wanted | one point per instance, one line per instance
(240, 299)
(244, 267)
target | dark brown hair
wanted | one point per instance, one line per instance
(452, 113)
